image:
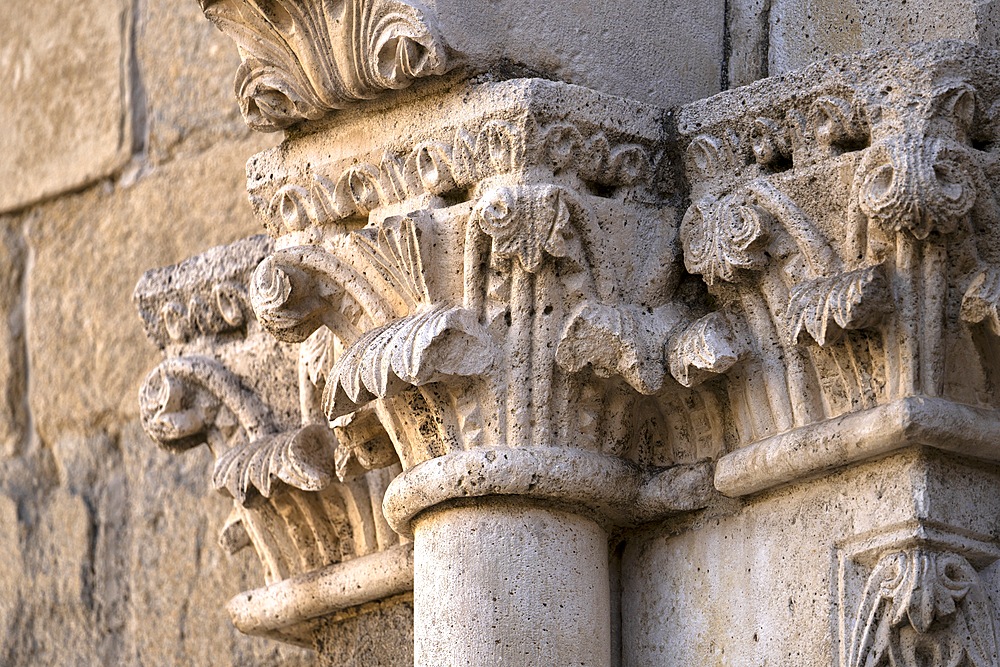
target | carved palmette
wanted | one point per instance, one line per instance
(303, 59)
(924, 606)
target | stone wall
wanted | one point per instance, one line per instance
(123, 149)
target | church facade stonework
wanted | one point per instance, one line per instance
(551, 356)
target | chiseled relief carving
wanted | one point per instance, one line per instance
(305, 58)
(227, 384)
(844, 218)
(505, 278)
(915, 597)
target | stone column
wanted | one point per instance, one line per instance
(509, 582)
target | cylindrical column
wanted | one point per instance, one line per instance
(507, 582)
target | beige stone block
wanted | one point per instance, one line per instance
(64, 70)
(803, 31)
(87, 351)
(186, 66)
(179, 578)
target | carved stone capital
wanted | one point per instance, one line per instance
(504, 277)
(227, 383)
(845, 216)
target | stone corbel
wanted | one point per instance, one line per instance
(846, 215)
(303, 59)
(227, 384)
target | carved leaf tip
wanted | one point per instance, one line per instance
(826, 307)
(304, 59)
(981, 303)
(706, 348)
(724, 237)
(617, 341)
(411, 351)
(302, 459)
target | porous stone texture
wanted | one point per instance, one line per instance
(87, 251)
(615, 48)
(376, 634)
(65, 68)
(109, 544)
(13, 361)
(803, 31)
(538, 595)
(781, 578)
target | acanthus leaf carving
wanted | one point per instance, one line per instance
(302, 60)
(303, 459)
(411, 351)
(618, 341)
(706, 348)
(922, 606)
(724, 237)
(826, 307)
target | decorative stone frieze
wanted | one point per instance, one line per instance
(226, 383)
(845, 217)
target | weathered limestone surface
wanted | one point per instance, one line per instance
(534, 367)
(803, 31)
(109, 546)
(13, 353)
(184, 66)
(65, 68)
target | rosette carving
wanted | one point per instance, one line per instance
(723, 238)
(303, 59)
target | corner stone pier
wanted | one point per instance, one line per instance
(553, 356)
